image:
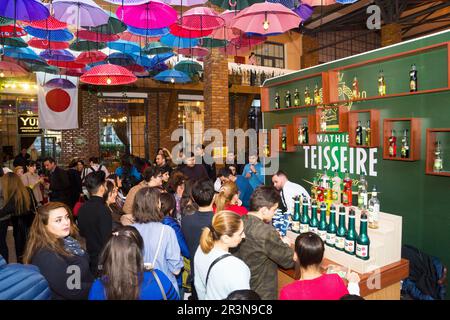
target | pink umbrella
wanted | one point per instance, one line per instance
(151, 15)
(201, 18)
(267, 17)
(319, 2)
(194, 51)
(179, 31)
(228, 15)
(96, 36)
(225, 33)
(141, 40)
(10, 69)
(91, 57)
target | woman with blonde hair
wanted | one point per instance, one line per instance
(54, 248)
(218, 273)
(19, 171)
(19, 207)
(228, 199)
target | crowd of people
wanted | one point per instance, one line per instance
(160, 230)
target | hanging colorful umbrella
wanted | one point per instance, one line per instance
(159, 58)
(29, 10)
(84, 45)
(33, 67)
(141, 40)
(108, 74)
(156, 48)
(234, 5)
(13, 42)
(94, 64)
(59, 83)
(72, 72)
(189, 67)
(179, 31)
(79, 12)
(12, 32)
(201, 18)
(178, 42)
(264, 18)
(21, 53)
(135, 68)
(226, 33)
(61, 55)
(6, 21)
(124, 46)
(10, 70)
(142, 60)
(127, 2)
(172, 76)
(149, 32)
(184, 3)
(66, 64)
(313, 3)
(48, 24)
(53, 35)
(194, 51)
(152, 15)
(346, 1)
(212, 43)
(114, 26)
(290, 4)
(45, 44)
(95, 36)
(120, 59)
(304, 11)
(91, 57)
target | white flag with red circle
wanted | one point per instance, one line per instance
(58, 107)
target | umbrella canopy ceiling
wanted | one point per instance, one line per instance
(108, 74)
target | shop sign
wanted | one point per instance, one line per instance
(28, 125)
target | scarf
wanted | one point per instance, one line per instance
(73, 246)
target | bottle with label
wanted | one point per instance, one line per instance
(305, 133)
(308, 100)
(381, 84)
(438, 164)
(296, 217)
(314, 222)
(322, 231)
(304, 219)
(362, 192)
(404, 151)
(363, 241)
(323, 122)
(284, 141)
(355, 88)
(341, 230)
(359, 133)
(347, 193)
(296, 98)
(300, 135)
(325, 180)
(350, 238)
(277, 101)
(317, 99)
(287, 100)
(413, 79)
(314, 189)
(368, 132)
(336, 190)
(374, 209)
(331, 228)
(392, 144)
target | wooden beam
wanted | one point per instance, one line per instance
(173, 102)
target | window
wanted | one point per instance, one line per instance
(270, 54)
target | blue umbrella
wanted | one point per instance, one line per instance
(252, 34)
(346, 1)
(120, 59)
(29, 10)
(142, 60)
(287, 3)
(91, 65)
(149, 32)
(124, 46)
(158, 58)
(21, 53)
(172, 76)
(60, 55)
(53, 35)
(178, 42)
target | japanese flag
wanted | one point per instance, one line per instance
(58, 107)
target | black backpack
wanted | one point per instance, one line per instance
(128, 180)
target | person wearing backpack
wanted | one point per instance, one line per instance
(95, 166)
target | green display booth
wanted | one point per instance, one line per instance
(402, 91)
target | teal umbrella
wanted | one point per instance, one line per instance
(156, 48)
(6, 21)
(13, 42)
(84, 45)
(189, 67)
(114, 26)
(212, 43)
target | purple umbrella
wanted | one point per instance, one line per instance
(59, 83)
(60, 55)
(29, 10)
(304, 11)
(84, 13)
(130, 2)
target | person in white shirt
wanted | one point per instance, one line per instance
(217, 273)
(95, 166)
(288, 190)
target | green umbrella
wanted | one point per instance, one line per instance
(156, 48)
(33, 67)
(5, 21)
(13, 42)
(213, 43)
(84, 45)
(239, 4)
(114, 26)
(189, 67)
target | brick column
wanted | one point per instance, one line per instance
(391, 34)
(309, 59)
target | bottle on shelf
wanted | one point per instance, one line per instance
(308, 100)
(404, 151)
(296, 98)
(300, 135)
(362, 192)
(341, 231)
(314, 222)
(287, 99)
(438, 163)
(413, 79)
(355, 88)
(305, 133)
(277, 101)
(336, 190)
(304, 219)
(296, 217)
(331, 228)
(266, 150)
(322, 230)
(325, 180)
(367, 138)
(283, 141)
(359, 134)
(350, 238)
(314, 189)
(363, 241)
(347, 193)
(317, 99)
(392, 144)
(329, 196)
(323, 122)
(320, 191)
(374, 209)
(381, 84)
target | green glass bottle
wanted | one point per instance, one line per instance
(363, 241)
(323, 222)
(284, 141)
(350, 239)
(296, 218)
(304, 219)
(331, 228)
(341, 230)
(314, 223)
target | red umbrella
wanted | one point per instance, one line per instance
(10, 69)
(67, 64)
(96, 37)
(108, 74)
(48, 24)
(12, 32)
(136, 68)
(45, 44)
(179, 31)
(91, 57)
(201, 18)
(141, 40)
(194, 51)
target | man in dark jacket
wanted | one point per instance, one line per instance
(193, 170)
(210, 166)
(22, 159)
(262, 249)
(59, 182)
(94, 218)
